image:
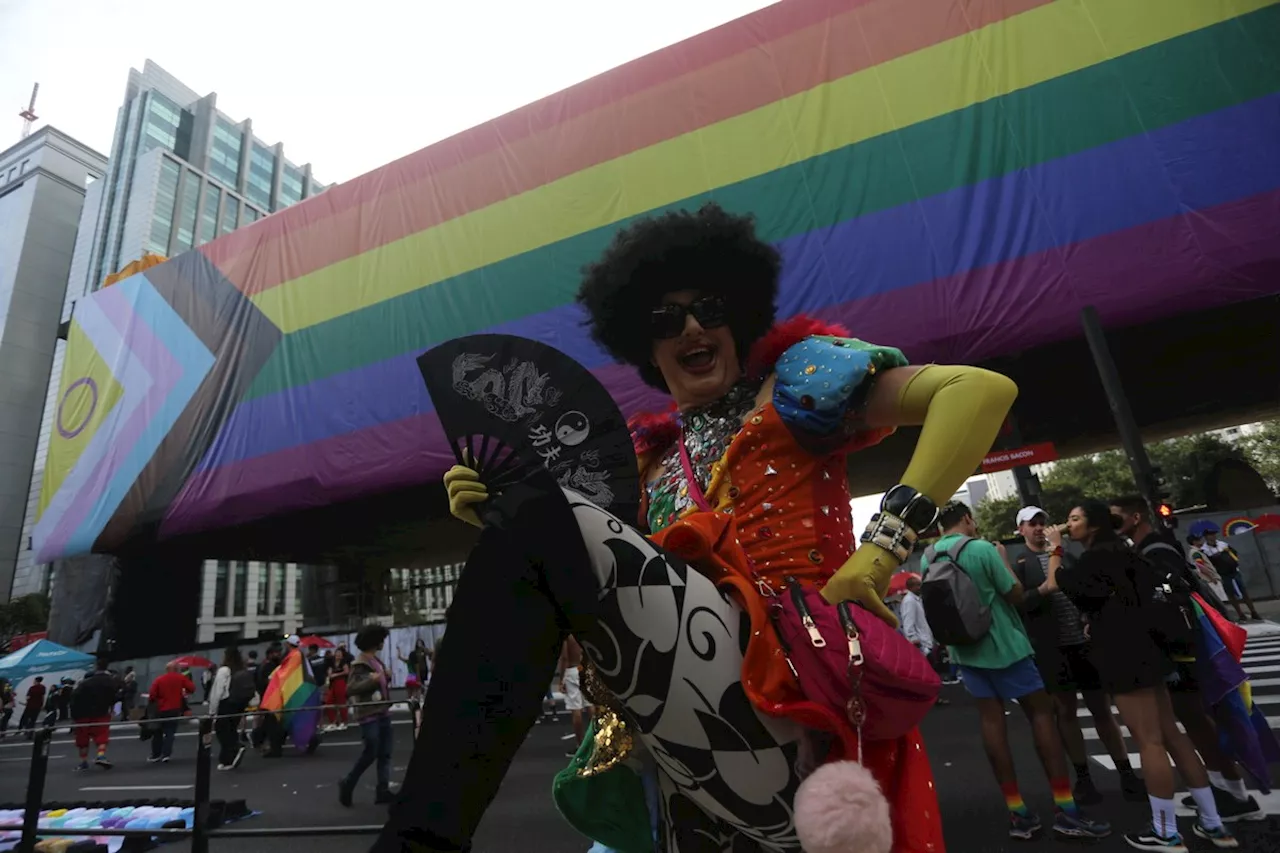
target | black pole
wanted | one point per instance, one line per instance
(35, 788)
(200, 816)
(1130, 438)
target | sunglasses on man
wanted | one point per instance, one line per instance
(668, 321)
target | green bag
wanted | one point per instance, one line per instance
(609, 807)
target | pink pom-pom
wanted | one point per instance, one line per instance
(839, 809)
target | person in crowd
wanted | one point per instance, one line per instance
(1226, 562)
(370, 690)
(233, 689)
(58, 704)
(319, 665)
(1063, 656)
(33, 706)
(8, 701)
(1233, 800)
(169, 692)
(336, 697)
(765, 416)
(1199, 559)
(128, 693)
(568, 673)
(91, 704)
(1114, 587)
(915, 627)
(416, 663)
(999, 668)
(270, 734)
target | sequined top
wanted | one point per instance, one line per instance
(778, 468)
(707, 432)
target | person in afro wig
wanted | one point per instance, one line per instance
(711, 251)
(745, 495)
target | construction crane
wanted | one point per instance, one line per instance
(29, 114)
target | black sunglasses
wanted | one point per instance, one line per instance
(668, 320)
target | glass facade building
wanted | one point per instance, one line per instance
(180, 174)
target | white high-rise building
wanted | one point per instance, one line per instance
(44, 181)
(181, 173)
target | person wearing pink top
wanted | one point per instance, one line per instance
(369, 689)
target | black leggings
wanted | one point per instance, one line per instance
(227, 730)
(513, 607)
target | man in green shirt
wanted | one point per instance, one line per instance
(999, 667)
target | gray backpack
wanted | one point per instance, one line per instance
(952, 604)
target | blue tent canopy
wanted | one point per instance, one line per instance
(40, 657)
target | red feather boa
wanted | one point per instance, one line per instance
(651, 431)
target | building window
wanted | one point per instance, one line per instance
(220, 591)
(242, 588)
(22, 170)
(209, 216)
(224, 153)
(166, 198)
(262, 169)
(281, 576)
(248, 215)
(187, 213)
(290, 186)
(297, 590)
(161, 123)
(264, 587)
(315, 188)
(230, 215)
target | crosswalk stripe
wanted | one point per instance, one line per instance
(1259, 670)
(1091, 733)
(1269, 803)
(1257, 699)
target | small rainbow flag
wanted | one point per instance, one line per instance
(293, 693)
(1236, 526)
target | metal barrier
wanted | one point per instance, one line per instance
(200, 832)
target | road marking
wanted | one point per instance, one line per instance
(139, 788)
(28, 758)
(67, 741)
(1269, 699)
(1269, 803)
(1092, 733)
(1258, 670)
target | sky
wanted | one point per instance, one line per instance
(346, 87)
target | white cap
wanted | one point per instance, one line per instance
(292, 640)
(1029, 512)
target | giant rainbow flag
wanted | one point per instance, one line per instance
(953, 177)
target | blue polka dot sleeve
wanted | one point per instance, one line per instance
(823, 382)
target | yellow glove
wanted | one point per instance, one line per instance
(465, 492)
(861, 578)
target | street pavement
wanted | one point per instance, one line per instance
(301, 791)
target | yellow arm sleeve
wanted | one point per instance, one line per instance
(961, 410)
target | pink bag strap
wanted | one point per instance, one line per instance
(695, 491)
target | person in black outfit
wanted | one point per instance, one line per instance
(271, 735)
(1114, 588)
(233, 687)
(1063, 656)
(1234, 801)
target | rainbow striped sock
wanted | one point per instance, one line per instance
(1013, 799)
(1062, 799)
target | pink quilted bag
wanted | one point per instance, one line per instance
(851, 661)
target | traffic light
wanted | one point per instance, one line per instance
(1163, 499)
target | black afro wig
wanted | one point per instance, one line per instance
(711, 251)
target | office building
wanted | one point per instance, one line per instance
(181, 173)
(44, 180)
(249, 600)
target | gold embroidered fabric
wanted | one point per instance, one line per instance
(613, 740)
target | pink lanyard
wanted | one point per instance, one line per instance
(695, 491)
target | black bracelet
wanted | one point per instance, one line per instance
(918, 511)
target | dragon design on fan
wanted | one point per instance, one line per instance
(512, 393)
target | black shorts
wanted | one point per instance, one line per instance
(1184, 678)
(1067, 669)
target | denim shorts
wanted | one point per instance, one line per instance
(1012, 682)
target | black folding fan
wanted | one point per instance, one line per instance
(512, 406)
